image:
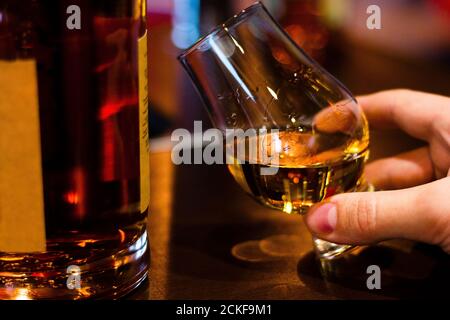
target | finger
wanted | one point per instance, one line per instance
(421, 213)
(405, 170)
(412, 111)
(339, 117)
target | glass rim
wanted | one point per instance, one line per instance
(230, 22)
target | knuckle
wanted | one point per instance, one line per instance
(446, 246)
(437, 217)
(399, 95)
(440, 130)
(442, 236)
(404, 91)
(365, 215)
(441, 233)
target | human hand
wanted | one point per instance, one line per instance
(419, 206)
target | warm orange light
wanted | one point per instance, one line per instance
(83, 243)
(122, 236)
(72, 197)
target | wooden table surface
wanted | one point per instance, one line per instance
(209, 240)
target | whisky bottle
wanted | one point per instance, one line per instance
(74, 162)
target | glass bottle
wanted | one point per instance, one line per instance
(74, 162)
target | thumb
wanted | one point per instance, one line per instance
(421, 213)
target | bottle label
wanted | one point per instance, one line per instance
(143, 123)
(22, 219)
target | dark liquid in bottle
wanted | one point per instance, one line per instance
(88, 82)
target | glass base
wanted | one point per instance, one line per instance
(329, 250)
(111, 276)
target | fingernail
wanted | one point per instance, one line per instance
(322, 219)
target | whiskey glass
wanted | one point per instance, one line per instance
(252, 75)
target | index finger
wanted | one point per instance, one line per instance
(412, 111)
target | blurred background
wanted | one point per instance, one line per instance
(411, 50)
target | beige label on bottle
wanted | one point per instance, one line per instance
(22, 224)
(143, 123)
